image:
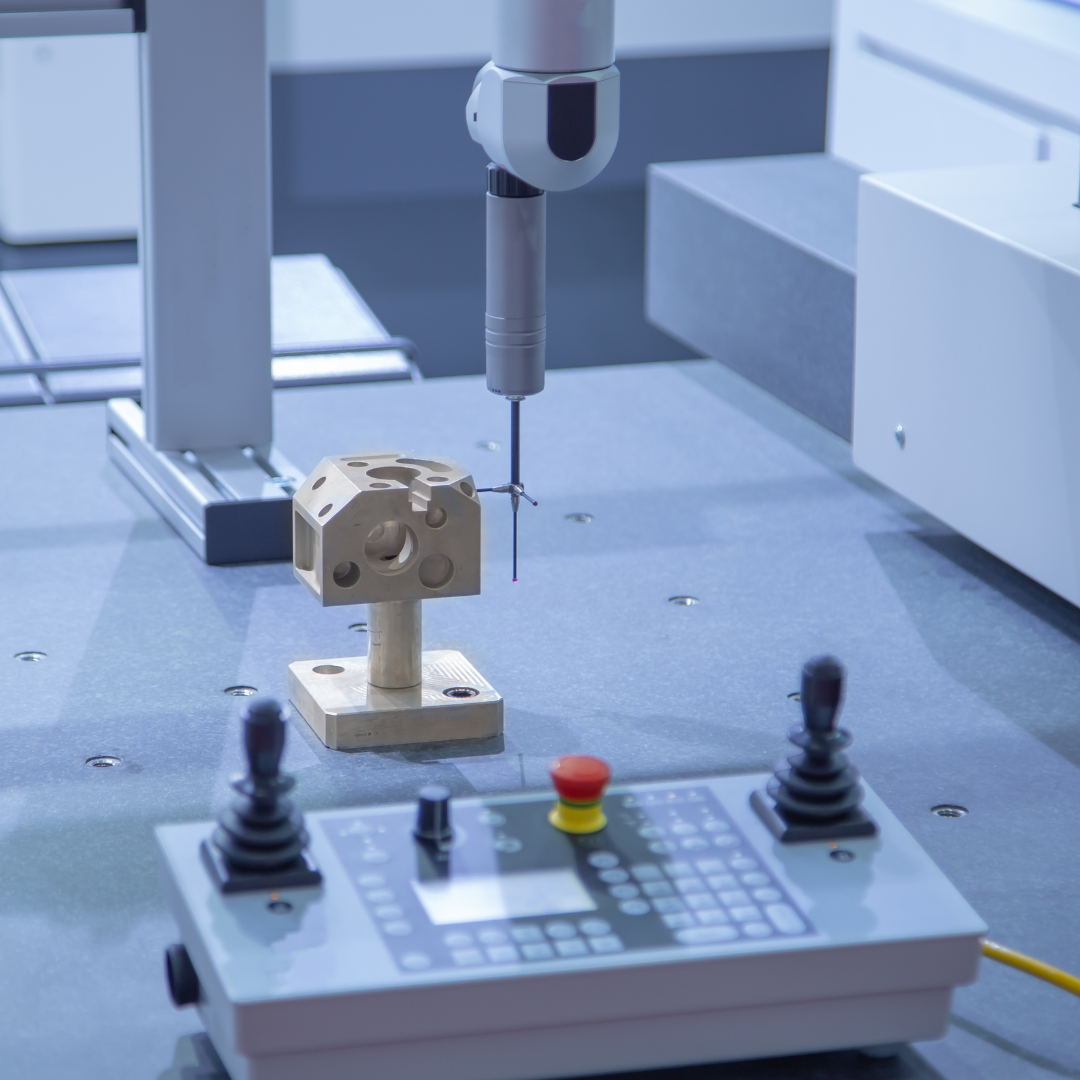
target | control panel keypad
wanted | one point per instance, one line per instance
(671, 868)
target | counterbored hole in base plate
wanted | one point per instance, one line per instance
(241, 691)
(949, 810)
(461, 691)
(30, 656)
(279, 907)
(103, 761)
(683, 601)
(358, 627)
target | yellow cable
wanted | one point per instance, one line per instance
(1055, 976)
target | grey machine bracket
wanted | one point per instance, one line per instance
(200, 448)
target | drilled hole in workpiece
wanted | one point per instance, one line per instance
(842, 855)
(467, 488)
(390, 547)
(328, 669)
(279, 907)
(326, 509)
(358, 464)
(346, 575)
(796, 696)
(103, 761)
(358, 627)
(241, 691)
(581, 519)
(683, 601)
(949, 810)
(436, 572)
(30, 656)
(318, 483)
(435, 518)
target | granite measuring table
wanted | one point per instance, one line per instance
(963, 682)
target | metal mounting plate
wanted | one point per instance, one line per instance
(348, 713)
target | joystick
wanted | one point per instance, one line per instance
(580, 782)
(260, 840)
(818, 796)
(433, 817)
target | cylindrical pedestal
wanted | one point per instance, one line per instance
(394, 644)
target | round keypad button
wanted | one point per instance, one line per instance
(684, 828)
(380, 896)
(651, 832)
(560, 930)
(595, 927)
(398, 929)
(634, 907)
(371, 881)
(755, 879)
(624, 892)
(715, 825)
(416, 961)
(695, 843)
(757, 929)
(493, 937)
(389, 911)
(603, 860)
(375, 855)
(662, 847)
(768, 896)
(457, 939)
(725, 840)
(743, 864)
(613, 877)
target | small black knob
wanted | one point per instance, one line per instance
(822, 686)
(180, 976)
(433, 815)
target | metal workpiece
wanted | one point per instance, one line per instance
(395, 634)
(554, 36)
(390, 530)
(369, 528)
(516, 315)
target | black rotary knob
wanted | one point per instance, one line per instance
(433, 816)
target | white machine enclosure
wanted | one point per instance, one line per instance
(968, 339)
(930, 84)
(881, 940)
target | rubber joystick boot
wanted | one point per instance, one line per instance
(579, 782)
(260, 840)
(817, 796)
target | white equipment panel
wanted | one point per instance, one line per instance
(926, 84)
(968, 338)
(680, 933)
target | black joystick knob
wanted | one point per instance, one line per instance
(817, 796)
(433, 816)
(260, 840)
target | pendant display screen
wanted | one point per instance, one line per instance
(523, 895)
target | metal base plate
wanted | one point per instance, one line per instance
(348, 713)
